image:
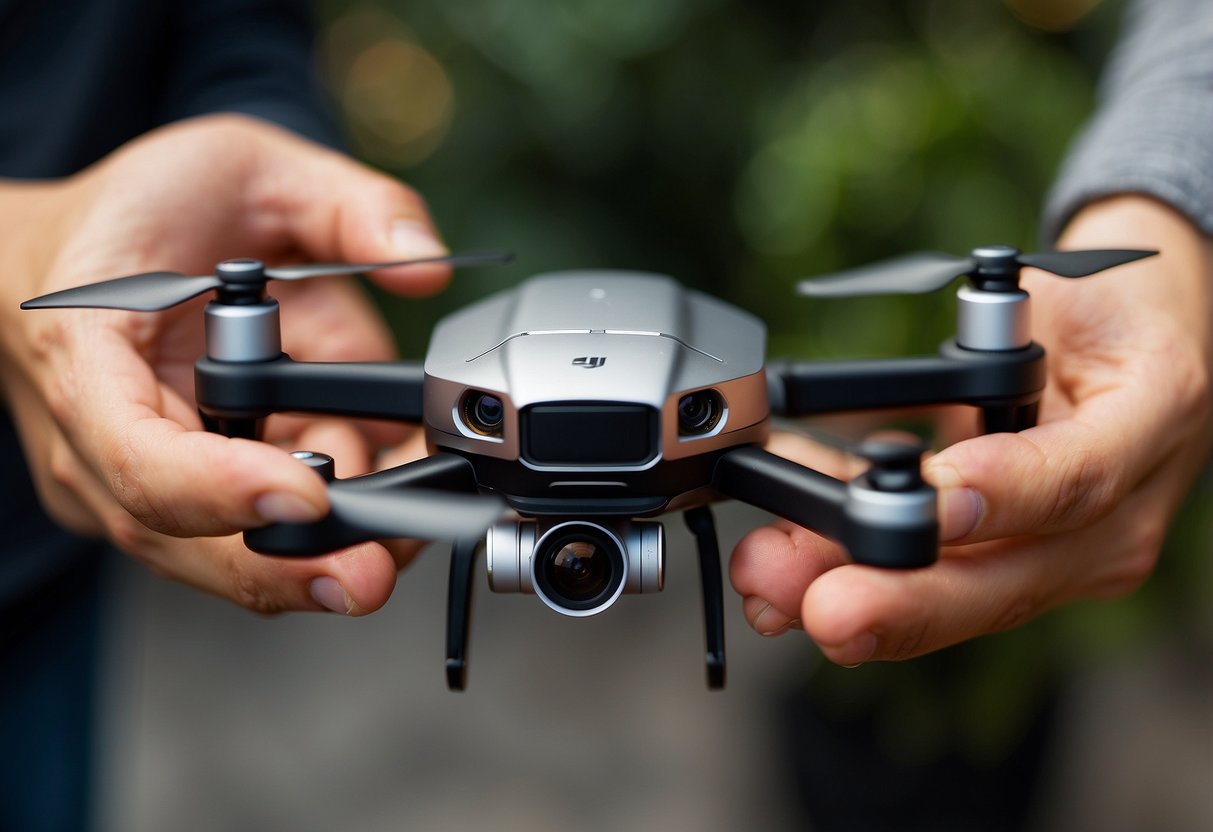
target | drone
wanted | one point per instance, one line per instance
(563, 416)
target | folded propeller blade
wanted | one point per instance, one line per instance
(422, 513)
(482, 258)
(926, 272)
(147, 292)
(1082, 263)
(909, 275)
(153, 291)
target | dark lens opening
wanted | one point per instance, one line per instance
(489, 411)
(579, 568)
(699, 413)
(483, 413)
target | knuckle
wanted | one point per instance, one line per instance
(121, 467)
(910, 642)
(1136, 564)
(126, 482)
(1014, 613)
(72, 517)
(63, 467)
(1192, 386)
(1089, 487)
(127, 533)
(250, 593)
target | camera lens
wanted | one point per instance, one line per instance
(699, 413)
(579, 568)
(489, 411)
(483, 413)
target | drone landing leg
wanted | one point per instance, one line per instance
(1009, 418)
(459, 612)
(699, 521)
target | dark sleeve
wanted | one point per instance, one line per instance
(1153, 131)
(246, 56)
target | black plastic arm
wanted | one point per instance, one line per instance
(899, 529)
(459, 612)
(373, 390)
(443, 471)
(1011, 378)
(699, 521)
(780, 486)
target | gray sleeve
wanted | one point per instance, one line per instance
(1153, 130)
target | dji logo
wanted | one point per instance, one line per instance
(590, 362)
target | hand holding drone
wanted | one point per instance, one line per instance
(103, 402)
(1075, 508)
(590, 402)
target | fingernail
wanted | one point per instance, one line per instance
(855, 652)
(327, 592)
(959, 512)
(771, 622)
(284, 507)
(410, 238)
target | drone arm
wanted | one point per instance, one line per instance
(252, 390)
(782, 487)
(992, 379)
(889, 527)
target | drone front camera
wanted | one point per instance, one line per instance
(576, 567)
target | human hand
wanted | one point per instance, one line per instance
(103, 400)
(1076, 507)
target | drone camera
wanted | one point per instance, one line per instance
(576, 567)
(483, 413)
(699, 413)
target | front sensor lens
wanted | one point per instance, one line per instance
(699, 413)
(483, 413)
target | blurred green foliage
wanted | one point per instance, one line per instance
(739, 147)
(736, 146)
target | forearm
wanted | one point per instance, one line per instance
(1151, 132)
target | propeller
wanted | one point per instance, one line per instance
(403, 511)
(995, 268)
(154, 291)
(423, 513)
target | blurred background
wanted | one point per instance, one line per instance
(738, 147)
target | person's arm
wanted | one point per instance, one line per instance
(1151, 132)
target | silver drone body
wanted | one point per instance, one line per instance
(587, 399)
(626, 347)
